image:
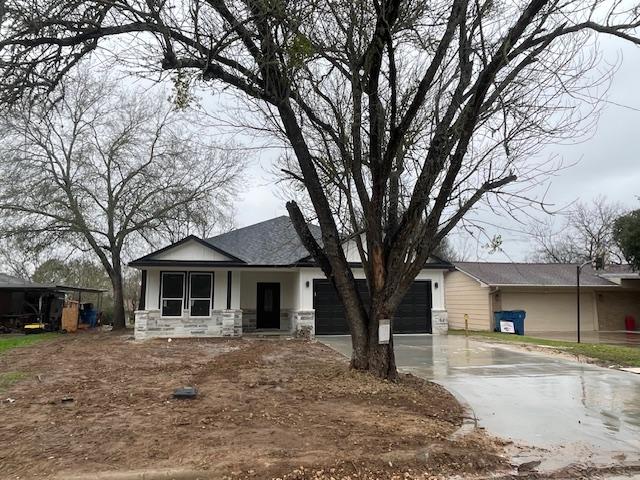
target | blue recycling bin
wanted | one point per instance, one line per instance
(89, 316)
(515, 316)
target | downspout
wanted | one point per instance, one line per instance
(492, 293)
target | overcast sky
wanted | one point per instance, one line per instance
(608, 163)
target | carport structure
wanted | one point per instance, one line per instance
(23, 301)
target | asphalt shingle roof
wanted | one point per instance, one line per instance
(9, 281)
(272, 242)
(619, 269)
(533, 274)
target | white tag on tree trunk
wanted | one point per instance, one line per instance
(384, 331)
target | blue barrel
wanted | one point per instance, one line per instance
(91, 317)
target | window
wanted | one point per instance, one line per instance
(200, 294)
(172, 294)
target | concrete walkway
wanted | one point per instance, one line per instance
(573, 411)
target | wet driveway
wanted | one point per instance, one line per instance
(574, 411)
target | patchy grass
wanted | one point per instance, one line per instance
(602, 354)
(9, 378)
(10, 342)
(510, 338)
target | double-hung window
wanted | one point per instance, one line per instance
(172, 297)
(200, 293)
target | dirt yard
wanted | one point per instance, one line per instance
(266, 409)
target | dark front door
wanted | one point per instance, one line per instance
(268, 305)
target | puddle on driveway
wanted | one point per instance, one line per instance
(567, 410)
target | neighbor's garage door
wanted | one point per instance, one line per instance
(413, 314)
(551, 311)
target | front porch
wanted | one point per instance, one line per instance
(224, 303)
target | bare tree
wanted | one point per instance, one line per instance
(102, 169)
(400, 115)
(19, 257)
(585, 234)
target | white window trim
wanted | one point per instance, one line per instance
(209, 298)
(163, 298)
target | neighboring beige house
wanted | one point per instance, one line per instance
(546, 292)
(622, 301)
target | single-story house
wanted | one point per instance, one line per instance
(546, 292)
(259, 278)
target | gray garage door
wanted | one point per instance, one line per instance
(413, 314)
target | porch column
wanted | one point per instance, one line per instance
(233, 289)
(143, 292)
(232, 315)
(439, 316)
(303, 319)
(439, 322)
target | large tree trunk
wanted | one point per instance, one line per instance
(382, 362)
(118, 290)
(367, 353)
(359, 333)
(335, 267)
(118, 302)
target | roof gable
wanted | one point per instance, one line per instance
(352, 255)
(192, 250)
(189, 249)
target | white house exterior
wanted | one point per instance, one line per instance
(261, 278)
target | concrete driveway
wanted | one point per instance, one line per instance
(573, 411)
